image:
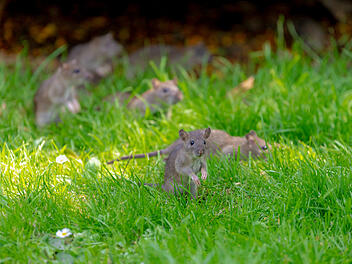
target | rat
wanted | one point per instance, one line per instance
(186, 57)
(162, 94)
(97, 55)
(226, 144)
(185, 161)
(249, 145)
(59, 92)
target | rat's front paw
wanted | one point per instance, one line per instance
(196, 180)
(204, 174)
(73, 106)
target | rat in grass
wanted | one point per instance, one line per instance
(97, 55)
(185, 161)
(58, 93)
(185, 57)
(225, 144)
(160, 96)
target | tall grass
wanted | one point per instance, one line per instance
(294, 207)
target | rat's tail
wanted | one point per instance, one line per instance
(154, 185)
(142, 156)
(137, 156)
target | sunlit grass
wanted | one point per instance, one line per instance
(294, 207)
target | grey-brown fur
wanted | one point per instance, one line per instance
(186, 57)
(97, 55)
(225, 144)
(59, 92)
(161, 95)
(185, 161)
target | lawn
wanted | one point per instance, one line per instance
(296, 207)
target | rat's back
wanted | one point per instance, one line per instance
(97, 54)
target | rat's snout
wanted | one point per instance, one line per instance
(200, 152)
(88, 76)
(180, 96)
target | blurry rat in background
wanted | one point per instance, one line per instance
(58, 93)
(97, 55)
(160, 96)
(186, 57)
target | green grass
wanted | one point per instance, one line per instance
(294, 208)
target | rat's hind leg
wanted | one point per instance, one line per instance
(193, 190)
(173, 188)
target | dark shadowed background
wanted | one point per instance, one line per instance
(229, 28)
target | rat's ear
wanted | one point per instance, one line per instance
(59, 67)
(65, 65)
(207, 132)
(183, 135)
(174, 80)
(251, 135)
(155, 83)
(252, 132)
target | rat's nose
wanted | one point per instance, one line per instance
(90, 75)
(200, 152)
(180, 96)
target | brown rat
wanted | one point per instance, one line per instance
(161, 95)
(227, 144)
(250, 145)
(58, 92)
(186, 57)
(185, 161)
(97, 55)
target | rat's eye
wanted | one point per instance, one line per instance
(192, 142)
(76, 70)
(264, 147)
(205, 142)
(165, 90)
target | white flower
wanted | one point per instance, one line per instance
(61, 159)
(94, 162)
(63, 233)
